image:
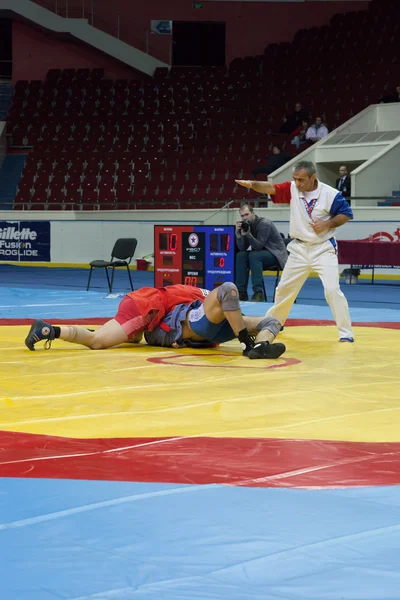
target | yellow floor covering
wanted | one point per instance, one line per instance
(322, 389)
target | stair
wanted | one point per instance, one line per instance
(6, 95)
(82, 31)
(10, 175)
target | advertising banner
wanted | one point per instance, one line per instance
(25, 241)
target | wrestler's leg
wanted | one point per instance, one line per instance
(266, 329)
(127, 325)
(108, 335)
(223, 303)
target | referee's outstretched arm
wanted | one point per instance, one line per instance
(262, 187)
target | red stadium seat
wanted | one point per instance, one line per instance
(189, 120)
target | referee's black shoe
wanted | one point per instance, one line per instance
(266, 350)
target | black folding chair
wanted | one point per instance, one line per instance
(121, 256)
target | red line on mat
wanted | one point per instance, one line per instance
(250, 462)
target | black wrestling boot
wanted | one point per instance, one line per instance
(266, 350)
(246, 340)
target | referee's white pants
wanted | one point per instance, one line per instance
(303, 259)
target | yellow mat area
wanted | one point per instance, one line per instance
(322, 389)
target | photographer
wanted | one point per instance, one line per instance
(260, 246)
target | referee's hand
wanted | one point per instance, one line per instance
(244, 183)
(320, 226)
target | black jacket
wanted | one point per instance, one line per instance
(274, 161)
(344, 187)
(391, 98)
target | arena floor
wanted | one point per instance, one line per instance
(151, 473)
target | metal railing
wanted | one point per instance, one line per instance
(226, 205)
(77, 206)
(120, 25)
(131, 204)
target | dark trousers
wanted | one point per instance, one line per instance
(255, 261)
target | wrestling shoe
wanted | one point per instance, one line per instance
(247, 343)
(351, 340)
(40, 331)
(266, 350)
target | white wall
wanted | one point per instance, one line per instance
(376, 117)
(92, 236)
(347, 152)
(364, 121)
(380, 176)
(388, 117)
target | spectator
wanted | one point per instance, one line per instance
(343, 183)
(299, 134)
(274, 161)
(294, 120)
(260, 246)
(395, 97)
(317, 131)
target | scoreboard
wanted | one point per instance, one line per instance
(201, 256)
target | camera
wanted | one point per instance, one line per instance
(245, 226)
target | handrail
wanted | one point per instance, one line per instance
(133, 205)
(219, 210)
(123, 15)
(100, 16)
(280, 207)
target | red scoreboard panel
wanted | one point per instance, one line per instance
(202, 256)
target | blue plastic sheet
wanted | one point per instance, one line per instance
(81, 540)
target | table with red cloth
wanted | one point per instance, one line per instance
(369, 254)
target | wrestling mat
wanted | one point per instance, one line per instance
(150, 473)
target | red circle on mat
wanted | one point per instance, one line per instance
(164, 360)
